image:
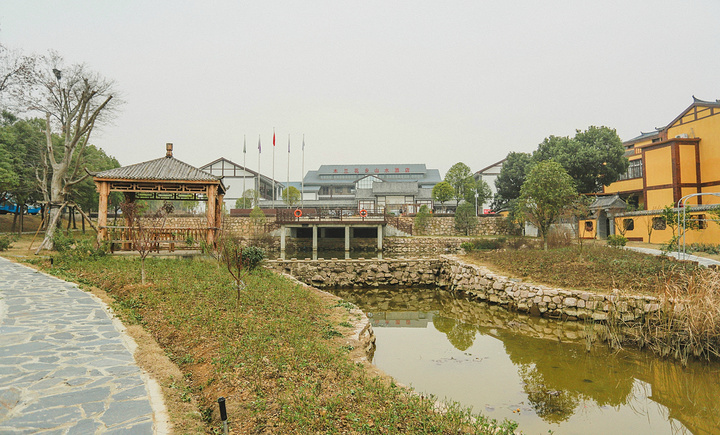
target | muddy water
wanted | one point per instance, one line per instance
(539, 372)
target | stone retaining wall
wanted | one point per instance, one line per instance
(445, 226)
(475, 281)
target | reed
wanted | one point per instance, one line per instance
(687, 325)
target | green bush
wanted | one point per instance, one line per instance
(467, 246)
(78, 249)
(6, 241)
(616, 241)
(252, 256)
(489, 244)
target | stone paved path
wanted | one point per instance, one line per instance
(65, 367)
(700, 260)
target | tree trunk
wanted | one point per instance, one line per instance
(54, 215)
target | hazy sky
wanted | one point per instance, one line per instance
(376, 81)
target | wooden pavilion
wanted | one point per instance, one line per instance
(168, 179)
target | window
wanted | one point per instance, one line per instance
(367, 182)
(635, 170)
(589, 226)
(659, 223)
(629, 224)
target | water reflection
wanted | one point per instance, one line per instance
(535, 371)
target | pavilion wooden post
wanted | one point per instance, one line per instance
(103, 188)
(210, 213)
(218, 215)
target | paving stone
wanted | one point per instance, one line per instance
(44, 418)
(63, 359)
(141, 428)
(131, 393)
(85, 426)
(121, 412)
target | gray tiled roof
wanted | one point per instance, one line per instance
(395, 188)
(165, 168)
(415, 172)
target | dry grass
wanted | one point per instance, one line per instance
(279, 355)
(590, 267)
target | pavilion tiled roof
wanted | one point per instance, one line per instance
(162, 169)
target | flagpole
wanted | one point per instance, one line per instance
(273, 171)
(257, 191)
(242, 195)
(302, 176)
(287, 187)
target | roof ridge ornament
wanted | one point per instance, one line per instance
(168, 150)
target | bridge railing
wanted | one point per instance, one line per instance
(329, 215)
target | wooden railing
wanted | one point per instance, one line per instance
(170, 238)
(349, 215)
(400, 224)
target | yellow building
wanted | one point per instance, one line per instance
(679, 159)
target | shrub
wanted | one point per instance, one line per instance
(485, 244)
(467, 246)
(422, 218)
(616, 241)
(5, 241)
(252, 256)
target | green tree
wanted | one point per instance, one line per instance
(422, 218)
(243, 202)
(477, 187)
(593, 158)
(442, 192)
(249, 198)
(84, 192)
(291, 196)
(547, 191)
(20, 147)
(459, 177)
(511, 178)
(465, 219)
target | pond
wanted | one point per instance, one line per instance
(539, 372)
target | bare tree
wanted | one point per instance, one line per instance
(15, 68)
(143, 229)
(74, 101)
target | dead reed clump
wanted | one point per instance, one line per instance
(689, 322)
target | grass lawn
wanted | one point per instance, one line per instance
(280, 355)
(592, 267)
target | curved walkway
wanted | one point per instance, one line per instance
(66, 367)
(707, 262)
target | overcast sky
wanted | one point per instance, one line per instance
(376, 81)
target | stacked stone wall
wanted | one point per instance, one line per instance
(475, 281)
(445, 226)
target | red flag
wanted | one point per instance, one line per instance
(273, 137)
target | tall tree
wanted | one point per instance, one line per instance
(593, 158)
(291, 195)
(477, 187)
(458, 176)
(14, 70)
(74, 100)
(442, 192)
(545, 194)
(22, 141)
(511, 178)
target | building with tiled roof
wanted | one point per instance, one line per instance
(374, 187)
(680, 159)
